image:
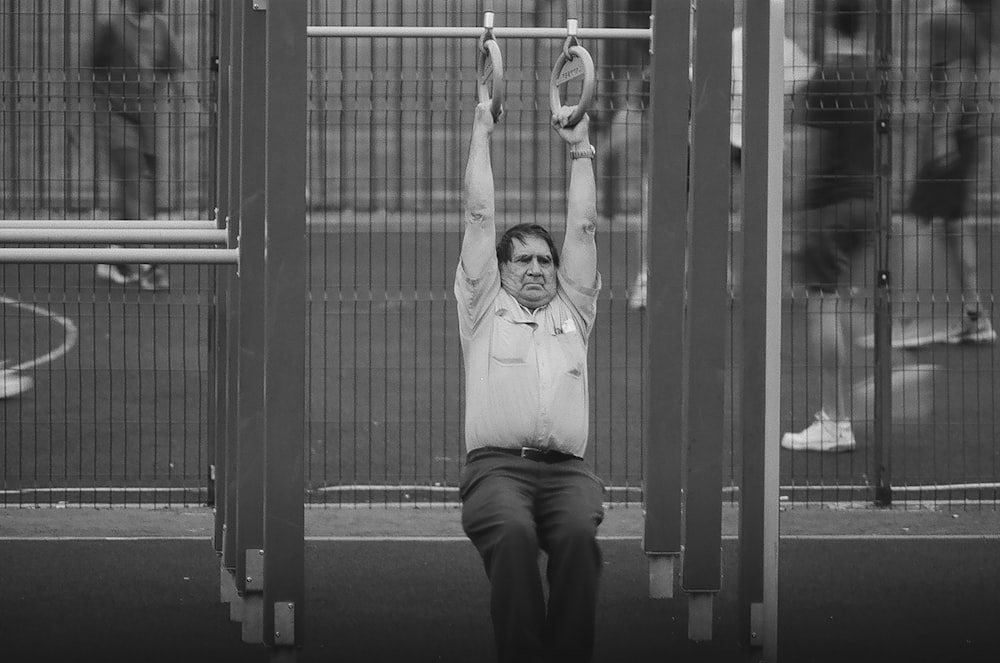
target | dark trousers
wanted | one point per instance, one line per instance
(511, 508)
(134, 176)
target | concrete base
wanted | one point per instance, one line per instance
(661, 576)
(700, 616)
(253, 617)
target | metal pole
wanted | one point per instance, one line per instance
(708, 311)
(106, 224)
(284, 314)
(882, 410)
(176, 256)
(252, 336)
(218, 321)
(667, 239)
(104, 236)
(230, 285)
(499, 32)
(763, 100)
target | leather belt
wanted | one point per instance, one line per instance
(530, 453)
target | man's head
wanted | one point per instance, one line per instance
(528, 261)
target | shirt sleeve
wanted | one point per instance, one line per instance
(582, 299)
(475, 295)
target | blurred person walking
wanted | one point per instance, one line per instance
(952, 57)
(836, 109)
(525, 315)
(132, 51)
(797, 69)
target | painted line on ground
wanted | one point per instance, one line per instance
(69, 340)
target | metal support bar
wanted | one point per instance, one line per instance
(106, 236)
(177, 256)
(763, 143)
(708, 303)
(249, 214)
(667, 239)
(284, 358)
(477, 32)
(108, 224)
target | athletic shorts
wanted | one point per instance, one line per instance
(829, 238)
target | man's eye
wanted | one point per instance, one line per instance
(545, 261)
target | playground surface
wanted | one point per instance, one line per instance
(403, 584)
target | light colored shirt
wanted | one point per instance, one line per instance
(526, 371)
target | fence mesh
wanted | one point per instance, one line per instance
(118, 404)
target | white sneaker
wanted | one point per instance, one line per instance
(13, 383)
(824, 434)
(973, 328)
(153, 277)
(120, 274)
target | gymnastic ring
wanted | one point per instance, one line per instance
(489, 73)
(577, 63)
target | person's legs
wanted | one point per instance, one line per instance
(826, 341)
(498, 494)
(974, 326)
(121, 168)
(569, 511)
(142, 202)
(836, 232)
(960, 248)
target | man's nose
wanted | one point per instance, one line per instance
(535, 267)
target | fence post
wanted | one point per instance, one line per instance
(252, 333)
(667, 239)
(708, 311)
(230, 432)
(763, 116)
(284, 312)
(882, 411)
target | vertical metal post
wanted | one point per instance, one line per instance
(284, 311)
(230, 431)
(667, 238)
(250, 446)
(708, 310)
(763, 115)
(220, 327)
(882, 409)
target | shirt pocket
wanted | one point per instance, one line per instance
(510, 342)
(573, 354)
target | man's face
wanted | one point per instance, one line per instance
(530, 276)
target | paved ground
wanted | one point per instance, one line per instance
(857, 585)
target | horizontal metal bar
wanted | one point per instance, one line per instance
(71, 256)
(105, 236)
(92, 224)
(498, 32)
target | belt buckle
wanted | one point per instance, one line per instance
(530, 453)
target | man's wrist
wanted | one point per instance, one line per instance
(582, 151)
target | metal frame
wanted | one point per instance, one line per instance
(763, 100)
(460, 32)
(178, 256)
(106, 236)
(259, 361)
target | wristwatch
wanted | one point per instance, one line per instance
(587, 152)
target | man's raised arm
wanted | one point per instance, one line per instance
(579, 253)
(479, 237)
